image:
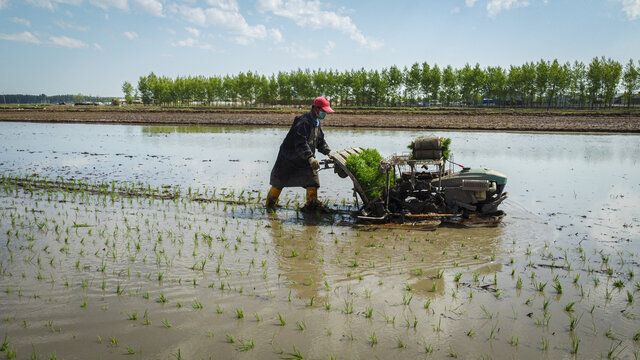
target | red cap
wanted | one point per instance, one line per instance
(323, 103)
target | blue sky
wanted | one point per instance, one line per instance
(93, 46)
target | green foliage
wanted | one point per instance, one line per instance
(364, 167)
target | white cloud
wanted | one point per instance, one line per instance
(496, 6)
(65, 25)
(311, 13)
(106, 4)
(188, 42)
(225, 15)
(327, 49)
(3, 4)
(195, 32)
(470, 3)
(276, 36)
(67, 42)
(631, 8)
(131, 35)
(299, 52)
(26, 37)
(22, 21)
(47, 4)
(151, 7)
(97, 46)
(50, 4)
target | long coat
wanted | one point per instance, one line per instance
(292, 167)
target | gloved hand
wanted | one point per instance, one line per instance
(325, 151)
(315, 165)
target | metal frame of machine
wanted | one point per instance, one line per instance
(426, 184)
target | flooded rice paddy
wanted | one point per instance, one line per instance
(152, 242)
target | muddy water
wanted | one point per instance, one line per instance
(76, 269)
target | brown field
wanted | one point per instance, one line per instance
(509, 120)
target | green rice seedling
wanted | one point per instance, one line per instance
(438, 328)
(5, 344)
(301, 325)
(113, 341)
(539, 286)
(434, 286)
(607, 293)
(576, 278)
(368, 313)
(558, 287)
(470, 332)
(428, 348)
(132, 316)
(197, 305)
(519, 283)
(240, 313)
(453, 354)
(427, 304)
(575, 343)
(348, 306)
(162, 299)
(246, 345)
(545, 344)
(166, 323)
(629, 297)
(130, 351)
(439, 273)
(99, 340)
(476, 277)
(618, 284)
(281, 319)
(258, 317)
(573, 322)
(218, 309)
(569, 306)
(488, 314)
(146, 318)
(294, 355)
(636, 336)
(498, 293)
(230, 338)
(400, 343)
(612, 354)
(406, 300)
(514, 341)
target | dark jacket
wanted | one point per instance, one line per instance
(292, 167)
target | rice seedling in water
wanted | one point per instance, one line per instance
(166, 323)
(246, 345)
(575, 343)
(240, 313)
(301, 325)
(282, 322)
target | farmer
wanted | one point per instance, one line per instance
(296, 164)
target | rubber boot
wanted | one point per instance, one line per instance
(272, 197)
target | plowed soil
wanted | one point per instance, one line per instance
(546, 122)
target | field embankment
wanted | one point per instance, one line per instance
(615, 120)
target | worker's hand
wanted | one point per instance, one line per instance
(325, 151)
(315, 165)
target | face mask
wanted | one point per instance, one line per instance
(321, 115)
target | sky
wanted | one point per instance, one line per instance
(92, 46)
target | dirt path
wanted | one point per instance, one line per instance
(515, 122)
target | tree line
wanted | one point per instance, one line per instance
(547, 84)
(53, 99)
